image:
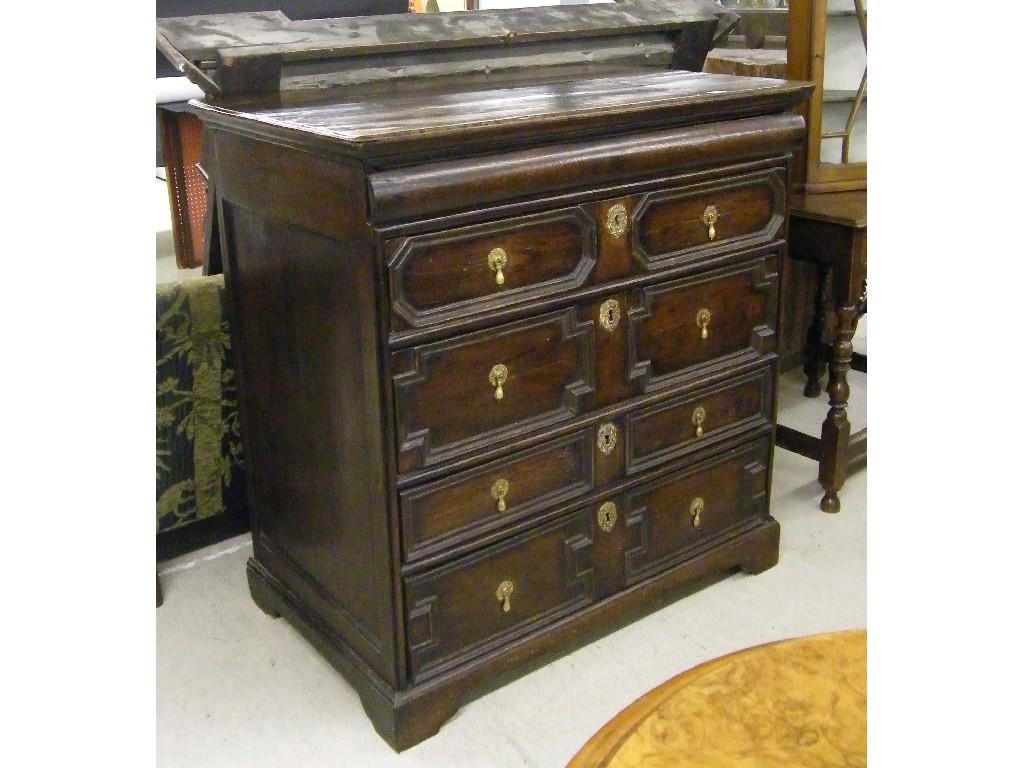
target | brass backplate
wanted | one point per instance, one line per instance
(617, 220)
(609, 315)
(607, 436)
(607, 514)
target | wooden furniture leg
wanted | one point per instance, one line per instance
(835, 430)
(812, 355)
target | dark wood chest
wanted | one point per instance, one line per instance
(507, 362)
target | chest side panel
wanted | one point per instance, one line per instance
(304, 328)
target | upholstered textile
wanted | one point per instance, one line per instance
(198, 448)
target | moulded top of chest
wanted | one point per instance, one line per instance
(454, 122)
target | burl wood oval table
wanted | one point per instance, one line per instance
(800, 702)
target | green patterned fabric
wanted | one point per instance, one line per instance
(198, 449)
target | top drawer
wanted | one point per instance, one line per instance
(431, 189)
(438, 276)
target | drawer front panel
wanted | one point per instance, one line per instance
(468, 392)
(439, 276)
(669, 520)
(488, 498)
(486, 599)
(682, 425)
(674, 226)
(695, 326)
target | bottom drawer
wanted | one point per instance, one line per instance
(483, 600)
(669, 519)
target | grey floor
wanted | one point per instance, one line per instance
(236, 688)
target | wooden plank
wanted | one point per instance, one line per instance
(186, 67)
(857, 448)
(390, 118)
(260, 34)
(847, 209)
(753, 62)
(605, 55)
(798, 442)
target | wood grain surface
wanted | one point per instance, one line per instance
(799, 702)
(387, 116)
(251, 34)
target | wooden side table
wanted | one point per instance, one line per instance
(830, 230)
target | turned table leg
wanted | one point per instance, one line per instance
(835, 430)
(812, 353)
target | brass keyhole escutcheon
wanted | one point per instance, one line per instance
(709, 218)
(607, 514)
(696, 508)
(703, 320)
(498, 376)
(616, 221)
(498, 492)
(496, 260)
(607, 436)
(504, 595)
(609, 315)
(698, 420)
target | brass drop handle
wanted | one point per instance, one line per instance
(504, 595)
(709, 218)
(698, 420)
(498, 376)
(696, 508)
(498, 492)
(496, 260)
(703, 320)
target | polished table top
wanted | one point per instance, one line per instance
(799, 702)
(848, 209)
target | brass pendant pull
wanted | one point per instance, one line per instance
(609, 315)
(709, 218)
(698, 420)
(498, 492)
(703, 320)
(496, 260)
(504, 595)
(498, 376)
(607, 514)
(696, 508)
(616, 221)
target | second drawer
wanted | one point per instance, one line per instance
(462, 394)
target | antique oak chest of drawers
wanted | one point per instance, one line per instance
(506, 360)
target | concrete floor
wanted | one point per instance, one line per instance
(236, 688)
